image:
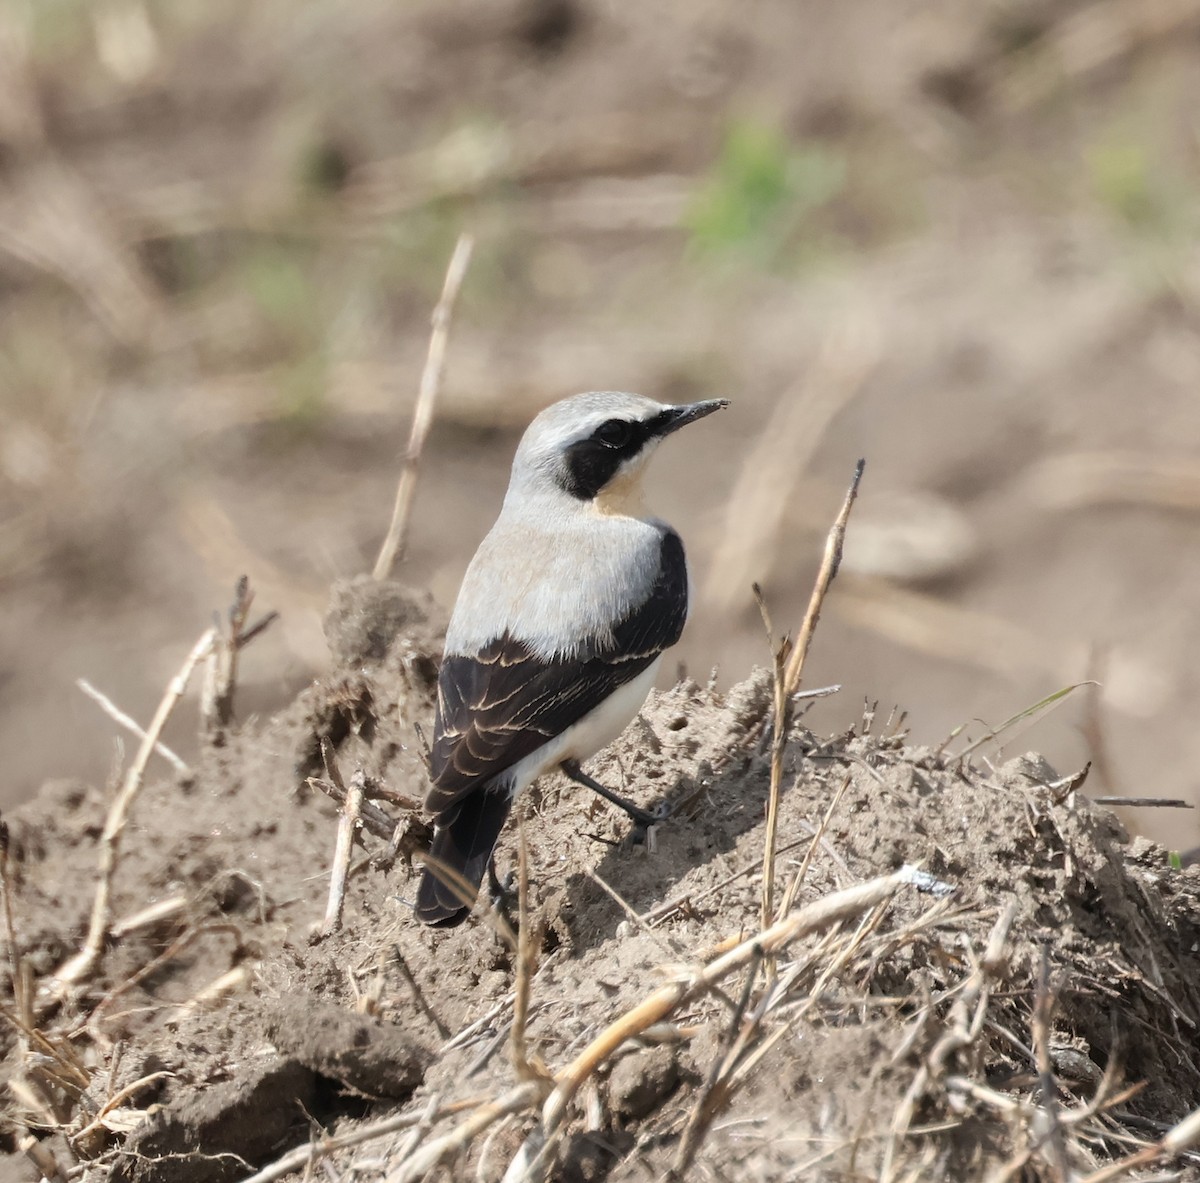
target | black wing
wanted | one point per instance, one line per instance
(497, 707)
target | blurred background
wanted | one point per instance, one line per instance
(957, 239)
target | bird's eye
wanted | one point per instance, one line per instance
(615, 433)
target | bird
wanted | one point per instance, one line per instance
(557, 632)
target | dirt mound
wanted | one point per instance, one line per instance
(978, 968)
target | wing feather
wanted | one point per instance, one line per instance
(502, 704)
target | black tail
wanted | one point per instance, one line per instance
(464, 845)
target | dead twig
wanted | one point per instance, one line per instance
(830, 562)
(1145, 802)
(516, 1100)
(21, 999)
(118, 716)
(1048, 1108)
(84, 962)
(415, 832)
(789, 897)
(788, 669)
(719, 1086)
(220, 680)
(431, 384)
(348, 824)
(303, 1156)
(525, 1067)
(779, 704)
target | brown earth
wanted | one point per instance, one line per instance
(251, 1034)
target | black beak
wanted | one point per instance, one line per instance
(673, 418)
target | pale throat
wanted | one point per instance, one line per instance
(623, 496)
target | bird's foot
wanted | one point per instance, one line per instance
(501, 896)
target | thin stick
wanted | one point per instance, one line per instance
(415, 833)
(718, 1087)
(302, 1156)
(418, 1132)
(516, 1100)
(220, 682)
(348, 824)
(431, 384)
(82, 964)
(825, 576)
(154, 913)
(17, 978)
(789, 897)
(115, 713)
(1145, 802)
(1043, 1012)
(779, 656)
(663, 910)
(525, 1068)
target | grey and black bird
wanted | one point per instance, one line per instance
(558, 629)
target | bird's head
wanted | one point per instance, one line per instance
(594, 447)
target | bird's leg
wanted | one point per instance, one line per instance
(644, 817)
(500, 893)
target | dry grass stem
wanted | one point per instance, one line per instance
(418, 1133)
(16, 975)
(527, 946)
(830, 561)
(414, 832)
(1145, 802)
(81, 965)
(516, 1100)
(788, 662)
(789, 897)
(149, 916)
(220, 681)
(779, 730)
(1051, 1132)
(348, 823)
(718, 1088)
(305, 1156)
(118, 716)
(431, 384)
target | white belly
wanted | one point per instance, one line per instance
(596, 730)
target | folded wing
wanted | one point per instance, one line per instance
(502, 704)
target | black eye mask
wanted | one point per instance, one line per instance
(592, 462)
